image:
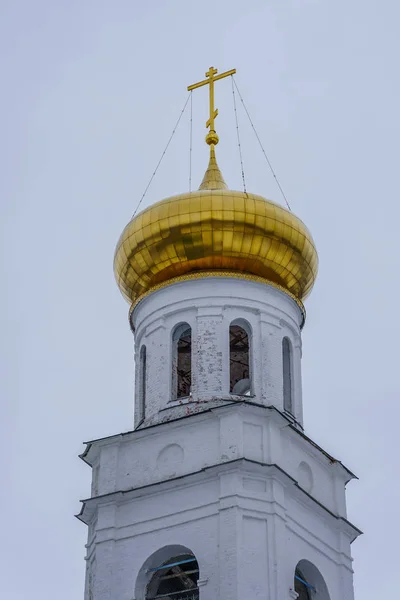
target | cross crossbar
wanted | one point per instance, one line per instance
(212, 76)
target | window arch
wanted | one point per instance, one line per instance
(239, 358)
(142, 382)
(175, 579)
(287, 360)
(308, 579)
(181, 361)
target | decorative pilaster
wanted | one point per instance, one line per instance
(272, 381)
(208, 353)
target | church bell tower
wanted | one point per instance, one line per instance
(218, 493)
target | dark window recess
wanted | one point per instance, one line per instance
(142, 382)
(239, 361)
(177, 580)
(301, 586)
(182, 362)
(287, 375)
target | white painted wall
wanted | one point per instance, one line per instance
(224, 434)
(209, 305)
(247, 525)
(240, 487)
(233, 479)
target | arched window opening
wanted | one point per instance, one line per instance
(287, 375)
(239, 361)
(142, 382)
(308, 579)
(301, 586)
(182, 362)
(175, 579)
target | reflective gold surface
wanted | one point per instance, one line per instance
(215, 230)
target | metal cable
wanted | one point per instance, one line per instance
(162, 156)
(238, 136)
(190, 141)
(261, 146)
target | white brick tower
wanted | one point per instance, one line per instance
(217, 493)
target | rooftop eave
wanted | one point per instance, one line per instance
(89, 505)
(92, 450)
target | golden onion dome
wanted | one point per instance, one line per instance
(215, 231)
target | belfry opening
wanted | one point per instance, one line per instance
(181, 362)
(176, 579)
(239, 360)
(301, 586)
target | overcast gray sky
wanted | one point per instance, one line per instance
(90, 91)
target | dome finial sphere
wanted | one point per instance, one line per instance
(212, 138)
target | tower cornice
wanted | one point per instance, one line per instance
(91, 452)
(89, 505)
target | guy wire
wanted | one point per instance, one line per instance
(162, 155)
(238, 136)
(261, 146)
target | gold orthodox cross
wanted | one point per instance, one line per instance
(212, 76)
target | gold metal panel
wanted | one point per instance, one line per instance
(219, 230)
